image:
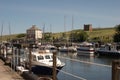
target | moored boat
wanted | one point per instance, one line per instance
(67, 49)
(51, 48)
(42, 62)
(86, 49)
(112, 50)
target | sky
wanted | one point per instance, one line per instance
(56, 15)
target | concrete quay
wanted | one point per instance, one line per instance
(6, 73)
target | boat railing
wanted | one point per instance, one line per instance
(44, 51)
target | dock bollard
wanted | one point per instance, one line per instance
(54, 66)
(115, 70)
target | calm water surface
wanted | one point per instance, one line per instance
(76, 67)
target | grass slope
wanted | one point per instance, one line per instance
(102, 33)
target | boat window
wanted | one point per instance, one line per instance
(34, 58)
(118, 47)
(40, 57)
(52, 56)
(53, 48)
(47, 57)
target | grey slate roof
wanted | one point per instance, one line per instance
(34, 28)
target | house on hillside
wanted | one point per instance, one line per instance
(34, 34)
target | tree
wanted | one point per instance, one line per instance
(47, 36)
(82, 36)
(79, 36)
(116, 37)
(21, 35)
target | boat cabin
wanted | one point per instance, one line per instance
(110, 47)
(42, 57)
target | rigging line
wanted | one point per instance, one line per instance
(85, 62)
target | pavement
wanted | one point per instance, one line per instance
(6, 73)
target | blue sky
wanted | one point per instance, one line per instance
(22, 14)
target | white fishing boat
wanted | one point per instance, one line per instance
(86, 49)
(42, 62)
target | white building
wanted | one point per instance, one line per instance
(34, 33)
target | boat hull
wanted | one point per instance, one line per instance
(66, 50)
(108, 53)
(44, 70)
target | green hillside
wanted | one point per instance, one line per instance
(103, 34)
(8, 37)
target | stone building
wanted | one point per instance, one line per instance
(87, 27)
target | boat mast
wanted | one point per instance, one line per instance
(43, 40)
(72, 29)
(1, 31)
(65, 30)
(51, 33)
(65, 24)
(9, 31)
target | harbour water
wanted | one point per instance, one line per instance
(84, 67)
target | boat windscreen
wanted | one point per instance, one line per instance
(118, 47)
(40, 57)
(47, 56)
